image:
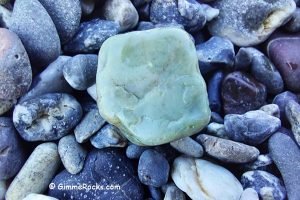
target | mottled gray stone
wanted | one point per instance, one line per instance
(292, 111)
(271, 109)
(6, 105)
(188, 146)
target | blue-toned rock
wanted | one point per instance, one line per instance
(34, 26)
(47, 117)
(292, 111)
(188, 146)
(215, 53)
(262, 162)
(214, 91)
(153, 168)
(254, 127)
(91, 35)
(271, 109)
(293, 25)
(12, 154)
(134, 151)
(155, 192)
(282, 100)
(265, 184)
(66, 16)
(104, 167)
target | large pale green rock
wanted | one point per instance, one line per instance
(150, 87)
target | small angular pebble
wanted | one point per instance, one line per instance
(72, 154)
(34, 26)
(293, 25)
(271, 109)
(47, 117)
(286, 155)
(104, 167)
(50, 80)
(265, 184)
(89, 125)
(90, 36)
(250, 22)
(153, 168)
(123, 12)
(12, 154)
(5, 17)
(227, 150)
(292, 111)
(15, 68)
(214, 91)
(215, 53)
(242, 93)
(217, 130)
(284, 53)
(134, 151)
(66, 16)
(174, 193)
(261, 163)
(3, 189)
(188, 146)
(139, 103)
(108, 136)
(201, 179)
(249, 194)
(254, 127)
(33, 196)
(80, 71)
(37, 172)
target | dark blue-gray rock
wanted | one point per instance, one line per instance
(254, 127)
(216, 117)
(144, 25)
(153, 168)
(144, 11)
(242, 93)
(80, 71)
(292, 111)
(34, 26)
(215, 53)
(214, 91)
(189, 13)
(3, 189)
(87, 6)
(50, 80)
(293, 25)
(104, 167)
(217, 129)
(139, 3)
(261, 163)
(227, 150)
(250, 22)
(5, 17)
(12, 154)
(47, 117)
(90, 124)
(91, 35)
(15, 68)
(134, 151)
(155, 192)
(271, 109)
(108, 136)
(188, 146)
(6, 105)
(174, 193)
(123, 12)
(282, 100)
(66, 16)
(71, 154)
(265, 184)
(286, 156)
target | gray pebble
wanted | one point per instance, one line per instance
(47, 117)
(249, 194)
(66, 16)
(50, 80)
(292, 111)
(6, 105)
(144, 25)
(286, 156)
(253, 127)
(216, 117)
(261, 163)
(134, 151)
(217, 130)
(271, 109)
(33, 196)
(80, 71)
(188, 146)
(37, 172)
(123, 12)
(34, 26)
(91, 35)
(5, 17)
(89, 125)
(293, 25)
(108, 136)
(92, 91)
(72, 154)
(227, 150)
(3, 189)
(174, 193)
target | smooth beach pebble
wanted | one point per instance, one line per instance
(134, 151)
(249, 194)
(188, 146)
(271, 109)
(105, 167)
(15, 68)
(201, 179)
(261, 163)
(157, 68)
(282, 100)
(47, 117)
(33, 196)
(37, 172)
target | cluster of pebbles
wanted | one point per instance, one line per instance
(187, 99)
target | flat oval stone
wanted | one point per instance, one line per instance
(105, 167)
(157, 68)
(250, 22)
(242, 93)
(201, 179)
(188, 146)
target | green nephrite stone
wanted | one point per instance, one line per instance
(149, 85)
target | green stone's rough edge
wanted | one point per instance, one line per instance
(149, 85)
